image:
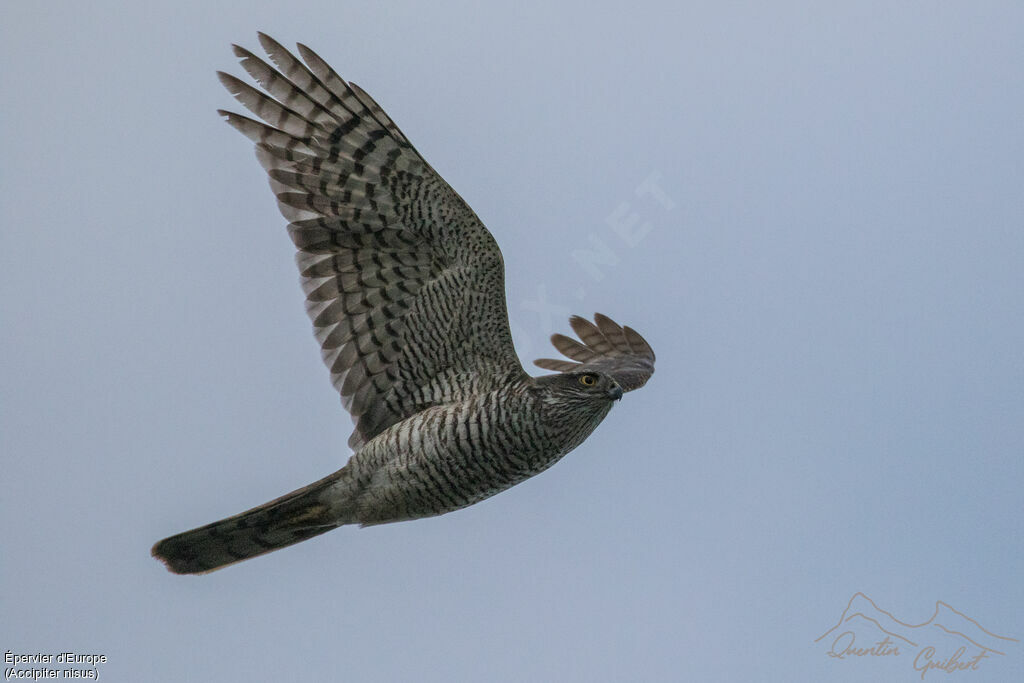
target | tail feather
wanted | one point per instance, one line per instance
(289, 519)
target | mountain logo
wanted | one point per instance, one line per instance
(950, 641)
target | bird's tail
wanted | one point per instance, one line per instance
(289, 519)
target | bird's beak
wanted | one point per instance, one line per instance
(615, 393)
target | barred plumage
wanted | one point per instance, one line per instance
(405, 288)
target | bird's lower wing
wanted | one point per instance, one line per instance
(404, 284)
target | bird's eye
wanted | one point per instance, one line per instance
(588, 380)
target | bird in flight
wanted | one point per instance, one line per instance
(406, 290)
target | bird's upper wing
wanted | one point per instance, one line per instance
(619, 352)
(404, 284)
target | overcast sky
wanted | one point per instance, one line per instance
(813, 214)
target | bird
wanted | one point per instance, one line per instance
(406, 291)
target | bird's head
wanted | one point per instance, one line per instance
(574, 403)
(583, 387)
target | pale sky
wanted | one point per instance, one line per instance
(813, 213)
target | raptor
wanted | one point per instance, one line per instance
(406, 290)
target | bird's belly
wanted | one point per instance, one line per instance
(423, 470)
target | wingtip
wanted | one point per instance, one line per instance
(233, 84)
(314, 61)
(266, 41)
(272, 47)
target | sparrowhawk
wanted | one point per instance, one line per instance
(405, 287)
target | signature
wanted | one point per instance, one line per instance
(924, 663)
(866, 630)
(842, 647)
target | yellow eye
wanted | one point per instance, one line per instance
(588, 380)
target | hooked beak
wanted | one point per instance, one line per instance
(615, 393)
